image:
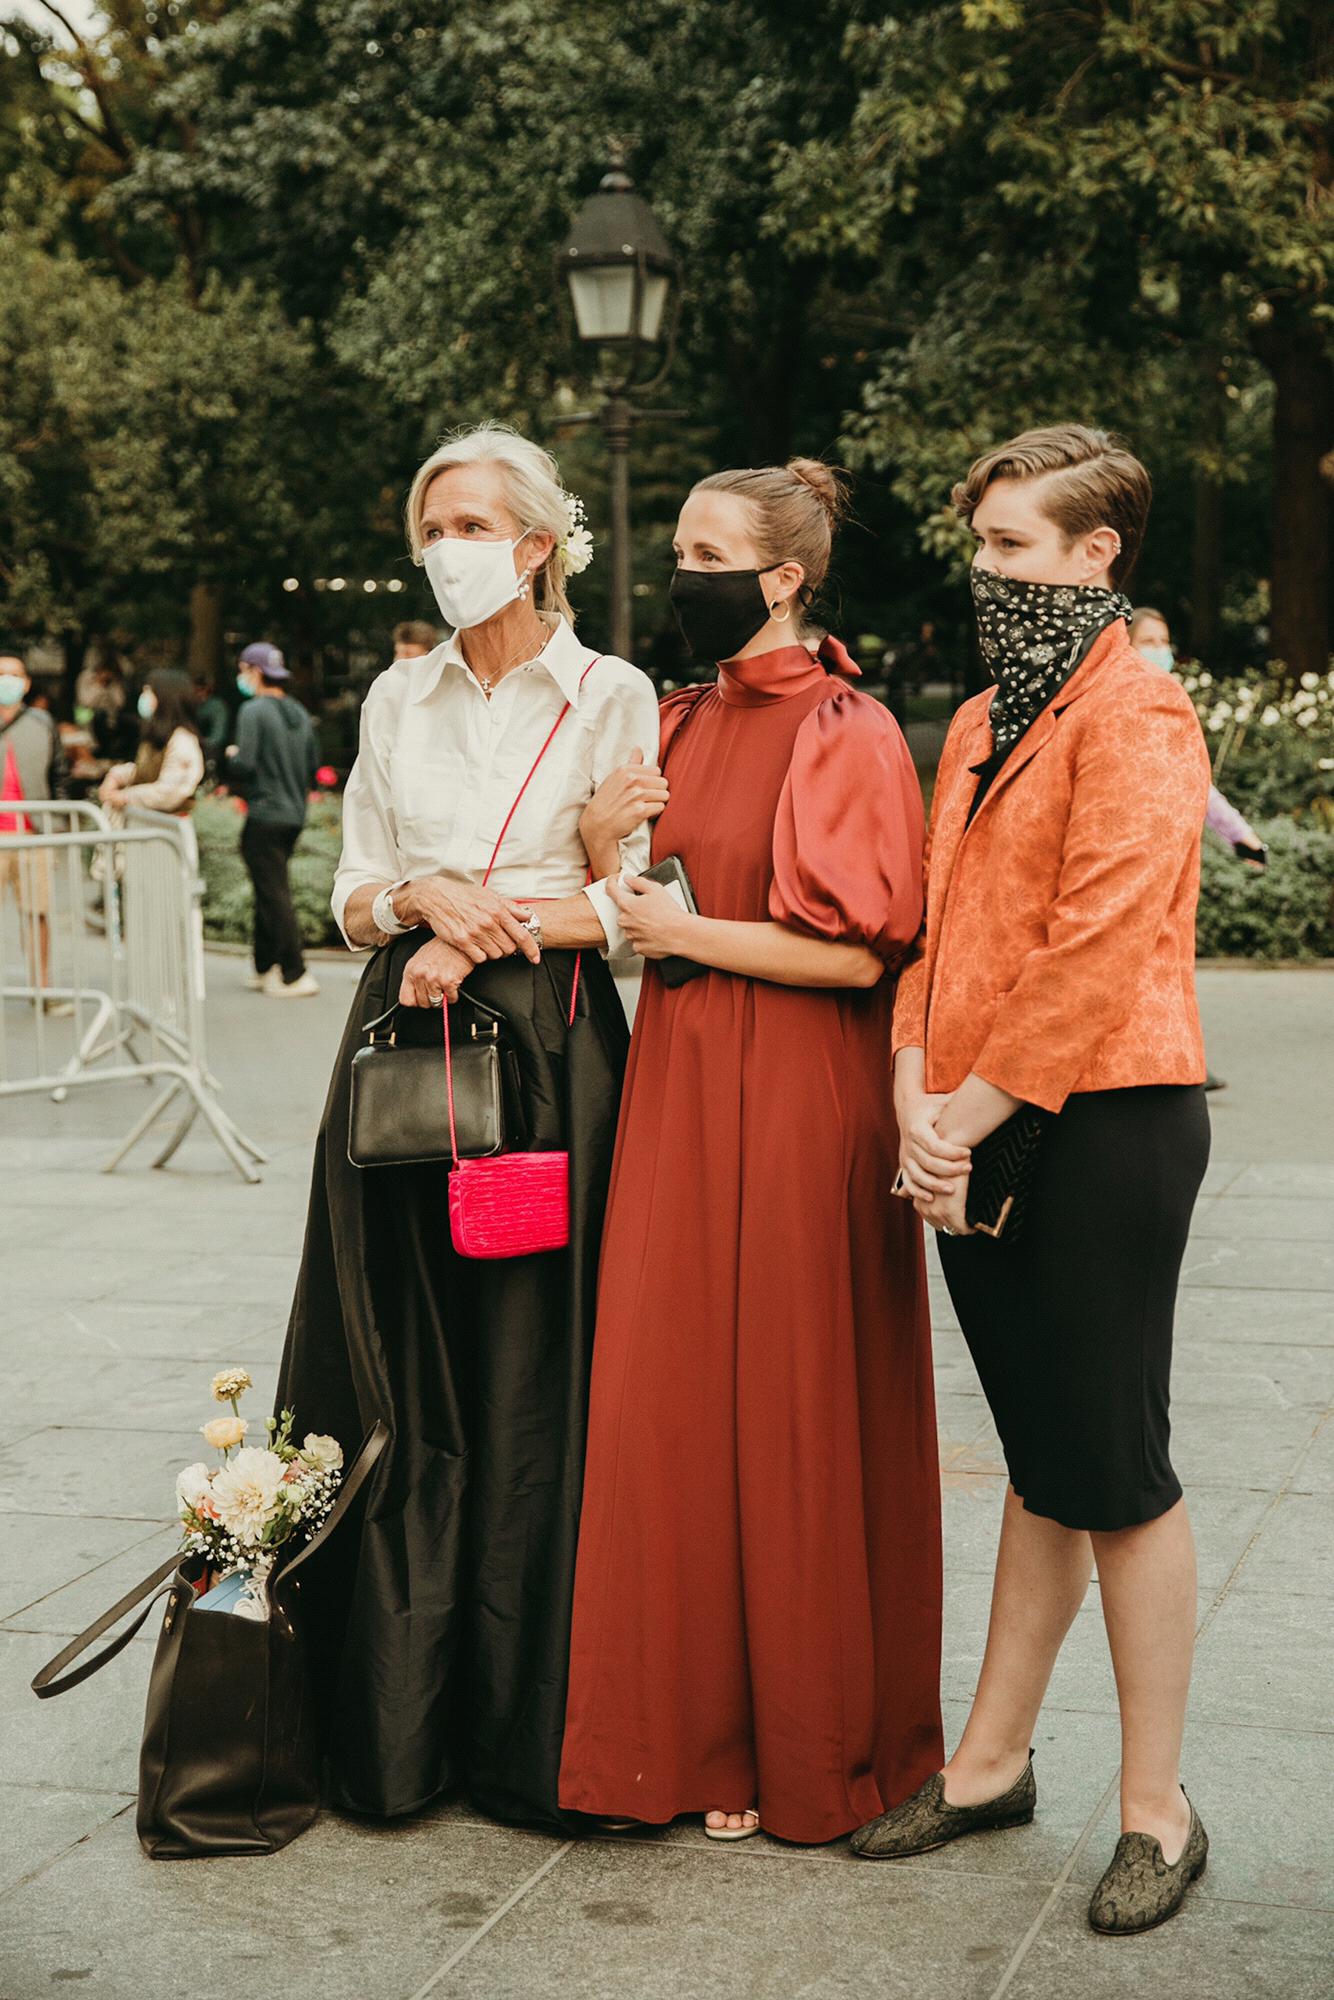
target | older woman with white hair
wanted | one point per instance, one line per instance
(464, 870)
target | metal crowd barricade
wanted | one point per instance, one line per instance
(83, 1006)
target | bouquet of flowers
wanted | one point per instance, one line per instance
(243, 1513)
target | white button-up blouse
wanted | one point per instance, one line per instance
(439, 766)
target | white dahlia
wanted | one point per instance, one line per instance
(245, 1490)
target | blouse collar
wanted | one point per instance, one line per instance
(563, 656)
(766, 677)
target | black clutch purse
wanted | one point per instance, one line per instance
(399, 1112)
(671, 872)
(1001, 1178)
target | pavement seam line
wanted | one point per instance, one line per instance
(475, 1937)
(1027, 1941)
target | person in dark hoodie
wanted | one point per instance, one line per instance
(272, 764)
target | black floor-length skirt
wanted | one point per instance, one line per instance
(443, 1616)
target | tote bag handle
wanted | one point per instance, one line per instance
(52, 1679)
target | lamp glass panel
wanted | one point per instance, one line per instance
(604, 300)
(654, 305)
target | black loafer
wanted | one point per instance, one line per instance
(927, 1820)
(1140, 1890)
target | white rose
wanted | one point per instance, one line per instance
(1310, 680)
(192, 1485)
(324, 1453)
(1270, 716)
(245, 1490)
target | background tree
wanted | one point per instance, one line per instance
(1101, 212)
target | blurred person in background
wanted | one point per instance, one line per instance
(101, 701)
(215, 724)
(168, 767)
(1151, 637)
(32, 766)
(272, 765)
(414, 639)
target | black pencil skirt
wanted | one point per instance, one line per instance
(1070, 1326)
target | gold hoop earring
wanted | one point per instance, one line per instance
(780, 617)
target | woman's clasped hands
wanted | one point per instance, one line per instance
(933, 1172)
(471, 924)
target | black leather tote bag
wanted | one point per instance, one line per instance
(230, 1762)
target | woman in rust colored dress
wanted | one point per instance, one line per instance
(757, 1600)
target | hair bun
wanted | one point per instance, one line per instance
(828, 484)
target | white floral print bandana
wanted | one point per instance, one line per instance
(1033, 636)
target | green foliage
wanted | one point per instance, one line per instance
(1285, 912)
(1272, 743)
(228, 903)
(903, 233)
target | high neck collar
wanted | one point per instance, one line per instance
(768, 677)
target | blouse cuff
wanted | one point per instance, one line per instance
(615, 944)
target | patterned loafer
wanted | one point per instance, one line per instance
(927, 1820)
(1140, 1889)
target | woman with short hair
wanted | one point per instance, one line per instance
(757, 1615)
(446, 1621)
(1056, 975)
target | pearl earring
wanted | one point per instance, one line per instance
(525, 585)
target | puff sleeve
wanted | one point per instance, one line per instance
(849, 830)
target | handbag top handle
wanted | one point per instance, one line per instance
(490, 866)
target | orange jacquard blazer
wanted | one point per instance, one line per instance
(1058, 949)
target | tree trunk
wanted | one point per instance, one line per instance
(1295, 355)
(205, 655)
(1206, 556)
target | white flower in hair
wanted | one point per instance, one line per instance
(576, 544)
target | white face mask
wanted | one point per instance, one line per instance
(471, 580)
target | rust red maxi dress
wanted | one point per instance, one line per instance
(757, 1596)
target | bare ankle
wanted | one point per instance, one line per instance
(973, 1777)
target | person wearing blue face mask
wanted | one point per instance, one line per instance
(168, 767)
(1152, 639)
(32, 766)
(272, 764)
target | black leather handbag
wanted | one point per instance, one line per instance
(230, 1762)
(399, 1110)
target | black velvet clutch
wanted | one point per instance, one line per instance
(1001, 1178)
(399, 1111)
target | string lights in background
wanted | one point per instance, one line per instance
(371, 584)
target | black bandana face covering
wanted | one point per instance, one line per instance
(1033, 636)
(718, 610)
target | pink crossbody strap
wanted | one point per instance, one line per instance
(490, 866)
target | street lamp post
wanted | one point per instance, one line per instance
(622, 279)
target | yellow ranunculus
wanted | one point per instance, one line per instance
(223, 1432)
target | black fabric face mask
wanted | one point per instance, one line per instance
(718, 610)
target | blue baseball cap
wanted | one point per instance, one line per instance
(267, 658)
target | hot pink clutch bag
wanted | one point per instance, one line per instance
(512, 1205)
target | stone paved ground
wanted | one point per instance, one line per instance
(120, 1296)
